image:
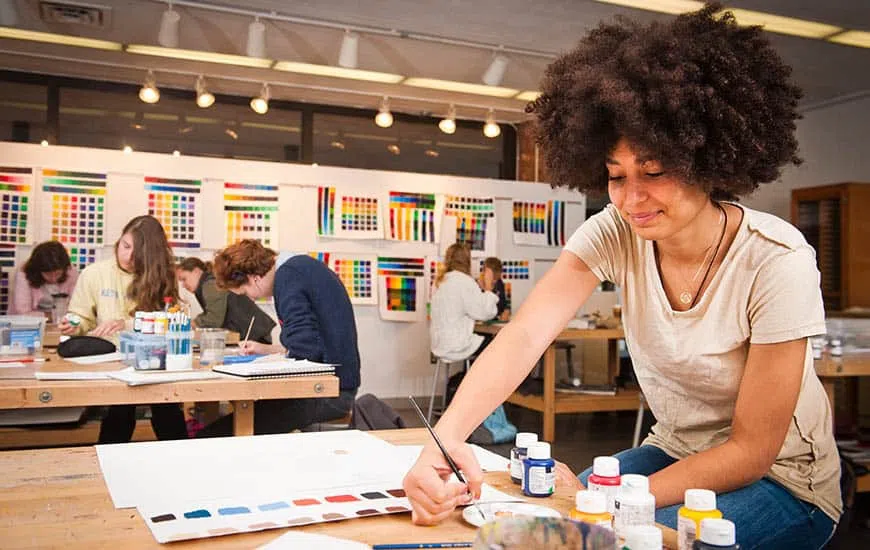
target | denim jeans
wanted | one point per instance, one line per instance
(765, 514)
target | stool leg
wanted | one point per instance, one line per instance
(446, 383)
(638, 422)
(434, 387)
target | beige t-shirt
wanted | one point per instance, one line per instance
(689, 364)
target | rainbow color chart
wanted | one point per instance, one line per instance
(539, 223)
(16, 195)
(7, 274)
(81, 256)
(400, 288)
(326, 210)
(356, 273)
(360, 218)
(412, 217)
(78, 203)
(174, 203)
(320, 257)
(251, 212)
(471, 215)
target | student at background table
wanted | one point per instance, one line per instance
(317, 323)
(108, 294)
(48, 272)
(719, 300)
(492, 269)
(220, 308)
(458, 302)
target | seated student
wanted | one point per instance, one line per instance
(222, 309)
(109, 293)
(493, 266)
(317, 323)
(46, 273)
(457, 303)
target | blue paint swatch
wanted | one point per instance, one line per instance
(233, 511)
(273, 506)
(197, 514)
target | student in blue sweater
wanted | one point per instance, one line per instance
(317, 324)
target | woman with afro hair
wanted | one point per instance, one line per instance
(719, 302)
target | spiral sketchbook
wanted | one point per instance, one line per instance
(275, 369)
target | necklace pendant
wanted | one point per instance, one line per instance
(685, 298)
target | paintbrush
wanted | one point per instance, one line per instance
(248, 334)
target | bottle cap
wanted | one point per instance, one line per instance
(718, 532)
(605, 466)
(634, 483)
(525, 438)
(539, 450)
(700, 499)
(643, 537)
(590, 502)
(167, 299)
(73, 319)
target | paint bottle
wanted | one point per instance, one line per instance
(643, 537)
(717, 534)
(161, 322)
(137, 321)
(147, 324)
(605, 478)
(73, 319)
(591, 507)
(699, 505)
(539, 471)
(518, 454)
(634, 504)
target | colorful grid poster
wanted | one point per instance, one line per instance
(539, 223)
(82, 256)
(347, 216)
(7, 275)
(412, 217)
(326, 211)
(174, 203)
(401, 288)
(357, 275)
(473, 225)
(251, 212)
(78, 202)
(16, 196)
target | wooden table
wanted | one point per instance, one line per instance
(32, 393)
(830, 370)
(51, 337)
(551, 403)
(57, 497)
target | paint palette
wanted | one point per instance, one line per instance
(226, 517)
(484, 512)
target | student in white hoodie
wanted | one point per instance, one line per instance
(457, 304)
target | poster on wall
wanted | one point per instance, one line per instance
(412, 217)
(401, 288)
(539, 223)
(7, 275)
(348, 216)
(176, 205)
(16, 205)
(470, 220)
(356, 272)
(517, 278)
(76, 207)
(251, 212)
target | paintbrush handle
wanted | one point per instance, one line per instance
(438, 442)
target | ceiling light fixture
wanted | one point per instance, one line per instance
(432, 153)
(127, 149)
(260, 104)
(232, 133)
(204, 98)
(256, 46)
(384, 118)
(448, 124)
(394, 149)
(783, 25)
(149, 92)
(52, 38)
(461, 87)
(860, 39)
(337, 72)
(44, 143)
(167, 36)
(348, 56)
(194, 55)
(176, 153)
(491, 129)
(494, 74)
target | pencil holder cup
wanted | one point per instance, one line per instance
(543, 534)
(150, 352)
(212, 342)
(179, 354)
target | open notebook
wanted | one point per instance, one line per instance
(276, 368)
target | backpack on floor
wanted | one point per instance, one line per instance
(496, 428)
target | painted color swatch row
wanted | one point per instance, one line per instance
(16, 185)
(78, 201)
(412, 217)
(7, 273)
(326, 210)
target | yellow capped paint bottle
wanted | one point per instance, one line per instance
(591, 507)
(699, 504)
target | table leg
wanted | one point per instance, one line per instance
(243, 417)
(612, 360)
(550, 394)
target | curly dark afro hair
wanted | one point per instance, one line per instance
(709, 99)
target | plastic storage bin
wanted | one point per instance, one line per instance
(21, 334)
(150, 352)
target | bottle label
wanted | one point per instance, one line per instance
(542, 480)
(516, 466)
(685, 533)
(609, 492)
(629, 514)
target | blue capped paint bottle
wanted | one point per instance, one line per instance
(539, 471)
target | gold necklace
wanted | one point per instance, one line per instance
(688, 298)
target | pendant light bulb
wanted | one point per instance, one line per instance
(491, 129)
(204, 98)
(448, 123)
(149, 92)
(384, 118)
(260, 104)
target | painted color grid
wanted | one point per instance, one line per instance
(78, 202)
(401, 288)
(471, 218)
(412, 217)
(81, 256)
(359, 214)
(16, 192)
(174, 203)
(513, 269)
(401, 293)
(356, 275)
(539, 223)
(251, 212)
(7, 274)
(326, 210)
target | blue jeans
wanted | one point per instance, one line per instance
(765, 514)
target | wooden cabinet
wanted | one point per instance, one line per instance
(835, 219)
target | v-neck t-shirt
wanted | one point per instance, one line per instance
(690, 363)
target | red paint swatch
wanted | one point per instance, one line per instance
(398, 493)
(367, 512)
(306, 502)
(341, 498)
(397, 509)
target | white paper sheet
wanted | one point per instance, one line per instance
(73, 375)
(96, 359)
(488, 460)
(141, 378)
(294, 540)
(11, 365)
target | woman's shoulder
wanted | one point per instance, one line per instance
(772, 231)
